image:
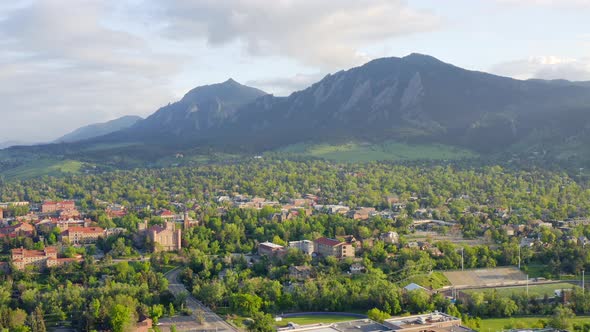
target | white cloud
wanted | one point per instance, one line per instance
(552, 3)
(546, 67)
(61, 67)
(326, 33)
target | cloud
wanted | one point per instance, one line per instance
(62, 67)
(546, 67)
(283, 86)
(326, 33)
(552, 3)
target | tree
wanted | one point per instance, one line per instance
(121, 317)
(561, 318)
(377, 315)
(171, 311)
(156, 311)
(36, 321)
(261, 323)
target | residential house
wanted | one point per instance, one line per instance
(300, 272)
(361, 213)
(356, 268)
(332, 247)
(390, 237)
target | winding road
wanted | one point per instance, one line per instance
(211, 320)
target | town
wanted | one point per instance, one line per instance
(218, 258)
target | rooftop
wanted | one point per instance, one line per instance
(271, 245)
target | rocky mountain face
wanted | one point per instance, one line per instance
(414, 99)
(99, 129)
(199, 110)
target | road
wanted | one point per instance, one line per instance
(211, 320)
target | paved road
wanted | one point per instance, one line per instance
(211, 320)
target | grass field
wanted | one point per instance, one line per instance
(483, 277)
(499, 324)
(314, 319)
(434, 280)
(355, 151)
(537, 291)
(43, 167)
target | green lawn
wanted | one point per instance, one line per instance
(534, 290)
(314, 319)
(389, 150)
(434, 280)
(499, 324)
(43, 167)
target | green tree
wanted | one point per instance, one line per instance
(121, 317)
(377, 315)
(561, 318)
(261, 323)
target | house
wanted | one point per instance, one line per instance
(42, 259)
(332, 247)
(306, 246)
(116, 211)
(583, 240)
(51, 206)
(361, 213)
(166, 214)
(356, 268)
(166, 238)
(390, 237)
(82, 235)
(300, 272)
(1, 214)
(270, 249)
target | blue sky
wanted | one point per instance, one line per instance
(65, 64)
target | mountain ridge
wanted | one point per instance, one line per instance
(99, 129)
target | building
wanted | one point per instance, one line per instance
(1, 214)
(357, 268)
(41, 259)
(435, 322)
(331, 247)
(82, 235)
(300, 272)
(166, 238)
(51, 206)
(304, 245)
(20, 229)
(390, 237)
(270, 249)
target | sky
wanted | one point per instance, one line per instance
(65, 64)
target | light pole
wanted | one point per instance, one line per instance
(519, 257)
(462, 258)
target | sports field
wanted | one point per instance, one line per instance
(486, 277)
(538, 291)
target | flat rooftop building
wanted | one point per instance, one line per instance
(432, 322)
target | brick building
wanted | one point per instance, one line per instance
(82, 235)
(51, 206)
(167, 238)
(331, 247)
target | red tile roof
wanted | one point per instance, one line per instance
(327, 242)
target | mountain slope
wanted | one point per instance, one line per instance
(418, 99)
(200, 109)
(99, 129)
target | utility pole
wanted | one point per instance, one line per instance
(527, 285)
(583, 282)
(519, 256)
(462, 259)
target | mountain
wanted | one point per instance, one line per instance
(201, 109)
(7, 144)
(417, 98)
(99, 129)
(414, 99)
